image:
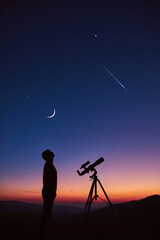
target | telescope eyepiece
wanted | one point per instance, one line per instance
(85, 164)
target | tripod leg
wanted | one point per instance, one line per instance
(89, 198)
(86, 213)
(115, 213)
(95, 188)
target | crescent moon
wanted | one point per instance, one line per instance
(54, 112)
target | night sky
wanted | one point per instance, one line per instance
(52, 56)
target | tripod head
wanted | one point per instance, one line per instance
(94, 174)
(90, 168)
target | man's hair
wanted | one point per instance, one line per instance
(46, 154)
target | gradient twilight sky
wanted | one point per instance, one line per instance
(52, 57)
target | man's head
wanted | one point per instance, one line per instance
(48, 156)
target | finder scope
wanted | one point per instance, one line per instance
(90, 167)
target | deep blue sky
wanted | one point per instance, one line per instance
(52, 59)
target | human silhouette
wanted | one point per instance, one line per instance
(49, 188)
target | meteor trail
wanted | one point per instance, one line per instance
(114, 77)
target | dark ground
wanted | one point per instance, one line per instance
(140, 218)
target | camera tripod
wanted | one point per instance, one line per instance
(91, 198)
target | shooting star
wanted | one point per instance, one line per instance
(114, 77)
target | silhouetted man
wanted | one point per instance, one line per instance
(49, 186)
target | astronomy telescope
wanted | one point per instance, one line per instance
(91, 167)
(93, 193)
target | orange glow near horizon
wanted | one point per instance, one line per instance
(119, 193)
(132, 181)
(115, 198)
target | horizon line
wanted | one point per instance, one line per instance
(75, 202)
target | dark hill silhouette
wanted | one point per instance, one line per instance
(141, 219)
(21, 207)
(17, 206)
